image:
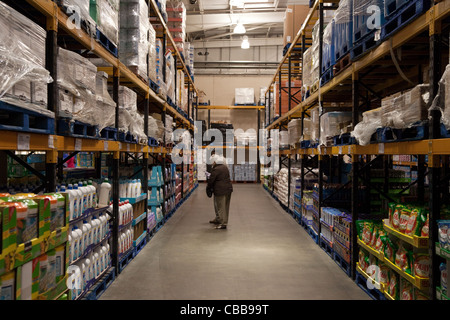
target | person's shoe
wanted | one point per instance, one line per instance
(221, 226)
(214, 221)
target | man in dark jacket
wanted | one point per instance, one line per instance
(219, 182)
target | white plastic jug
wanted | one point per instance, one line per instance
(105, 194)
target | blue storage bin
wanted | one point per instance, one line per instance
(361, 17)
(343, 29)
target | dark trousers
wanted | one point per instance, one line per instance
(222, 207)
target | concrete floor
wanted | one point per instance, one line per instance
(263, 255)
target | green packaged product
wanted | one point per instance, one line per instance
(390, 249)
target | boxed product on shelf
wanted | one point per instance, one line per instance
(294, 18)
(244, 96)
(133, 36)
(180, 85)
(307, 70)
(23, 75)
(156, 127)
(106, 14)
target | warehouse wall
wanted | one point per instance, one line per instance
(220, 91)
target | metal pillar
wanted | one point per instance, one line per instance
(115, 217)
(290, 83)
(258, 168)
(279, 93)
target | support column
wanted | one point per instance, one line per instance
(115, 217)
(354, 213)
(51, 162)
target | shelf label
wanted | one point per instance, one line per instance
(128, 147)
(23, 141)
(381, 148)
(51, 142)
(105, 145)
(78, 144)
(340, 150)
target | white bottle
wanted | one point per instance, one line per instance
(92, 201)
(105, 194)
(94, 230)
(87, 263)
(70, 248)
(77, 282)
(83, 245)
(73, 204)
(129, 188)
(86, 196)
(108, 256)
(139, 187)
(79, 200)
(83, 281)
(102, 259)
(82, 200)
(120, 249)
(74, 244)
(104, 221)
(80, 242)
(129, 238)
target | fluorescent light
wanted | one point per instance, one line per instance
(239, 29)
(245, 44)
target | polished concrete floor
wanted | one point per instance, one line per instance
(263, 255)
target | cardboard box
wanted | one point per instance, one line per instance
(300, 14)
(7, 285)
(27, 280)
(9, 227)
(44, 203)
(288, 28)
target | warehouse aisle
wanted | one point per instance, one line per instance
(263, 255)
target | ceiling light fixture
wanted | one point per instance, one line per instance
(239, 28)
(245, 44)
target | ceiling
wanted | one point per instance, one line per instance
(212, 20)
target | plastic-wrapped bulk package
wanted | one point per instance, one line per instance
(307, 70)
(364, 130)
(107, 17)
(156, 127)
(295, 131)
(328, 57)
(159, 67)
(284, 139)
(184, 104)
(244, 96)
(176, 12)
(133, 36)
(81, 8)
(343, 35)
(330, 124)
(408, 108)
(152, 54)
(306, 129)
(315, 115)
(22, 61)
(77, 78)
(180, 89)
(170, 75)
(281, 185)
(169, 129)
(362, 21)
(163, 8)
(441, 101)
(315, 72)
(106, 107)
(389, 105)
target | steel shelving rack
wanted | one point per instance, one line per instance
(370, 77)
(56, 23)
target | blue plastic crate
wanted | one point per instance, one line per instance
(391, 6)
(363, 15)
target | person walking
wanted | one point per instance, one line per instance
(220, 184)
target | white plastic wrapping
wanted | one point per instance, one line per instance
(295, 131)
(106, 107)
(156, 127)
(169, 129)
(159, 67)
(442, 100)
(403, 110)
(314, 125)
(133, 35)
(244, 95)
(330, 124)
(22, 58)
(152, 54)
(108, 19)
(364, 130)
(170, 75)
(77, 78)
(307, 70)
